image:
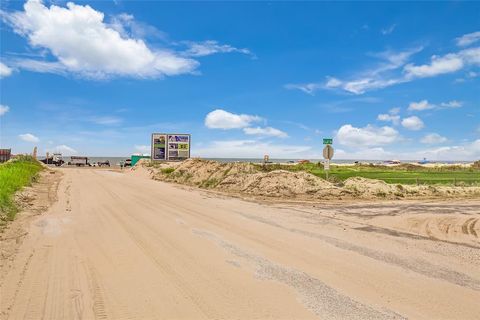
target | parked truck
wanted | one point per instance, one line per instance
(55, 159)
(79, 161)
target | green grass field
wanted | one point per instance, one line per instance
(403, 174)
(15, 175)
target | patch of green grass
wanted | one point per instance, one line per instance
(167, 170)
(15, 175)
(402, 174)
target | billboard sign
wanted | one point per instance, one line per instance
(159, 146)
(171, 147)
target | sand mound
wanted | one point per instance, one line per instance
(247, 178)
(361, 185)
(275, 183)
(242, 177)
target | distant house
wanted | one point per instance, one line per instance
(5, 155)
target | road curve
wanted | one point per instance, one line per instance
(119, 246)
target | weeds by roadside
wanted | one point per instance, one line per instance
(14, 175)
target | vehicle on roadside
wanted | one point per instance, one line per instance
(79, 161)
(55, 159)
(105, 163)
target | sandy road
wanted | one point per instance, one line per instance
(120, 246)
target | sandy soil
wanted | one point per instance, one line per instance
(119, 245)
(241, 178)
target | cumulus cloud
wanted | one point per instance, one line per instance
(84, 44)
(420, 106)
(5, 71)
(266, 131)
(391, 116)
(395, 119)
(4, 109)
(366, 137)
(448, 63)
(433, 138)
(468, 39)
(438, 65)
(221, 119)
(252, 149)
(413, 123)
(209, 47)
(467, 151)
(28, 137)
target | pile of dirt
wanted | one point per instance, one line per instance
(371, 188)
(247, 178)
(276, 183)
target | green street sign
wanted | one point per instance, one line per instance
(328, 141)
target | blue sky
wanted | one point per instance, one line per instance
(384, 80)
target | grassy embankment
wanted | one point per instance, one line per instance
(15, 175)
(401, 174)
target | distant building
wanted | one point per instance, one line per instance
(5, 155)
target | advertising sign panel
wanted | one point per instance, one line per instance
(171, 147)
(178, 147)
(159, 146)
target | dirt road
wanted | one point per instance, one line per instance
(120, 246)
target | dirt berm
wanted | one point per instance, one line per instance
(249, 179)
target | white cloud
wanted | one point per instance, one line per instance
(438, 65)
(391, 116)
(393, 68)
(433, 138)
(452, 104)
(413, 123)
(333, 82)
(266, 131)
(4, 109)
(425, 105)
(221, 119)
(468, 151)
(376, 153)
(28, 137)
(375, 78)
(308, 88)
(209, 47)
(468, 39)
(85, 45)
(252, 149)
(127, 26)
(386, 31)
(367, 136)
(143, 148)
(63, 149)
(420, 106)
(448, 63)
(5, 71)
(395, 119)
(395, 110)
(106, 120)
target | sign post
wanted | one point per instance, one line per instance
(327, 154)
